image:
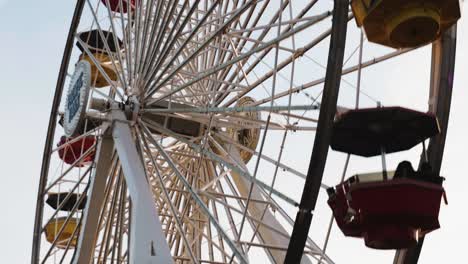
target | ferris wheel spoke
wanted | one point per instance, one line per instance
(61, 229)
(185, 70)
(195, 196)
(96, 199)
(217, 81)
(251, 191)
(197, 219)
(299, 52)
(106, 237)
(69, 169)
(251, 218)
(263, 156)
(152, 22)
(171, 42)
(188, 40)
(220, 244)
(268, 49)
(108, 97)
(126, 39)
(236, 109)
(252, 16)
(150, 57)
(292, 22)
(229, 164)
(99, 67)
(247, 39)
(77, 138)
(235, 197)
(150, 15)
(74, 235)
(67, 198)
(168, 201)
(113, 219)
(152, 43)
(217, 68)
(119, 227)
(346, 71)
(311, 245)
(164, 49)
(157, 83)
(229, 215)
(113, 60)
(238, 122)
(139, 25)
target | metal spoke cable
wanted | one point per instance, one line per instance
(237, 59)
(153, 88)
(213, 156)
(267, 125)
(99, 67)
(194, 195)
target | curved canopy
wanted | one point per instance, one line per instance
(364, 132)
(96, 43)
(55, 200)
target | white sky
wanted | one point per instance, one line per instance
(32, 36)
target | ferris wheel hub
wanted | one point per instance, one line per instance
(247, 137)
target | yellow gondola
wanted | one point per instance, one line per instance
(405, 23)
(97, 78)
(53, 228)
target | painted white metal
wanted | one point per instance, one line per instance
(256, 211)
(89, 231)
(147, 241)
(238, 109)
(199, 201)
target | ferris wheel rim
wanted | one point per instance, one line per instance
(51, 129)
(47, 140)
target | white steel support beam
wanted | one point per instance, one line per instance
(148, 244)
(256, 210)
(84, 252)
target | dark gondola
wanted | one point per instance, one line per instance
(60, 200)
(95, 43)
(364, 132)
(389, 210)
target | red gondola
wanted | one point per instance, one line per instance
(389, 214)
(115, 5)
(389, 210)
(345, 216)
(71, 152)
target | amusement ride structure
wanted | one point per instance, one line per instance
(198, 132)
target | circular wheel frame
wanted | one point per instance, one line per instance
(212, 204)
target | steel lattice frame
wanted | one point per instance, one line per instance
(203, 57)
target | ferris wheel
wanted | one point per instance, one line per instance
(199, 131)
